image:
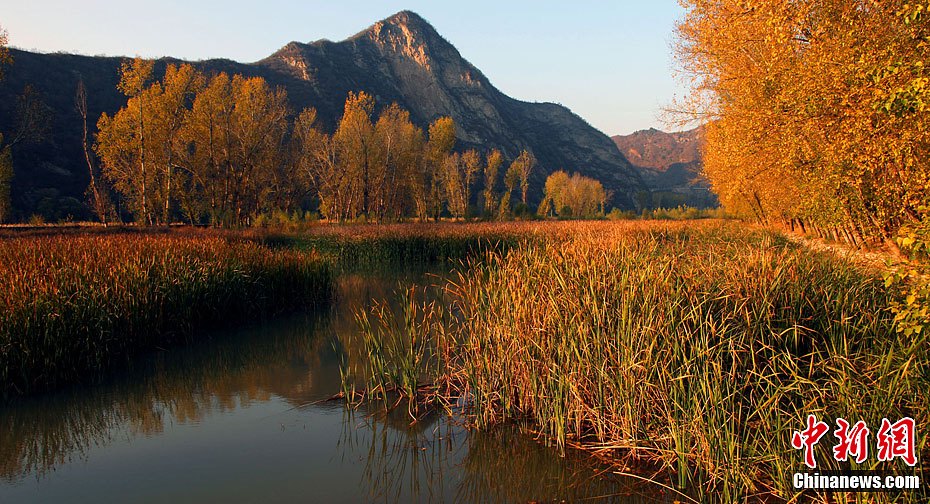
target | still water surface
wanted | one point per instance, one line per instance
(241, 416)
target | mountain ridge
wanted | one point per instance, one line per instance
(401, 59)
(670, 165)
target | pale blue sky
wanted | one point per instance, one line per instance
(609, 61)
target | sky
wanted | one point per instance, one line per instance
(608, 61)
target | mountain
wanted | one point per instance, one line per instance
(401, 59)
(670, 165)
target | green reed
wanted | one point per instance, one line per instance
(403, 352)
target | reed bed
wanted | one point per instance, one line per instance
(74, 305)
(698, 348)
(412, 245)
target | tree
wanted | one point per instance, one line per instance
(170, 108)
(217, 148)
(33, 118)
(398, 146)
(5, 58)
(438, 148)
(453, 176)
(511, 179)
(816, 109)
(97, 196)
(471, 165)
(575, 196)
(6, 159)
(6, 181)
(208, 132)
(317, 159)
(121, 139)
(223, 148)
(354, 139)
(492, 166)
(525, 163)
(258, 128)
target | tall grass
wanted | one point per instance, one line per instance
(70, 305)
(410, 245)
(697, 347)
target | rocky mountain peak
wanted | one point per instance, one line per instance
(409, 35)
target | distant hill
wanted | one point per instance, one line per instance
(670, 165)
(400, 59)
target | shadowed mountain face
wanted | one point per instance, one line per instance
(400, 59)
(670, 165)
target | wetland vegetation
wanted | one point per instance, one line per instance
(692, 348)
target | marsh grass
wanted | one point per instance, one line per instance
(370, 247)
(403, 354)
(73, 305)
(696, 347)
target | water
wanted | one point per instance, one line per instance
(242, 416)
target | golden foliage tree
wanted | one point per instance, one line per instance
(492, 166)
(572, 196)
(816, 109)
(121, 139)
(439, 146)
(354, 139)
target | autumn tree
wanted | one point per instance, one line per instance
(471, 165)
(319, 159)
(816, 109)
(5, 58)
(223, 148)
(492, 165)
(6, 182)
(170, 107)
(6, 159)
(524, 165)
(510, 181)
(572, 196)
(438, 147)
(215, 148)
(453, 179)
(258, 126)
(517, 173)
(96, 194)
(31, 125)
(397, 162)
(121, 143)
(208, 133)
(32, 122)
(354, 142)
(410, 167)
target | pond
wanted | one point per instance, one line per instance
(242, 415)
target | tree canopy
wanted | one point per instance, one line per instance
(816, 109)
